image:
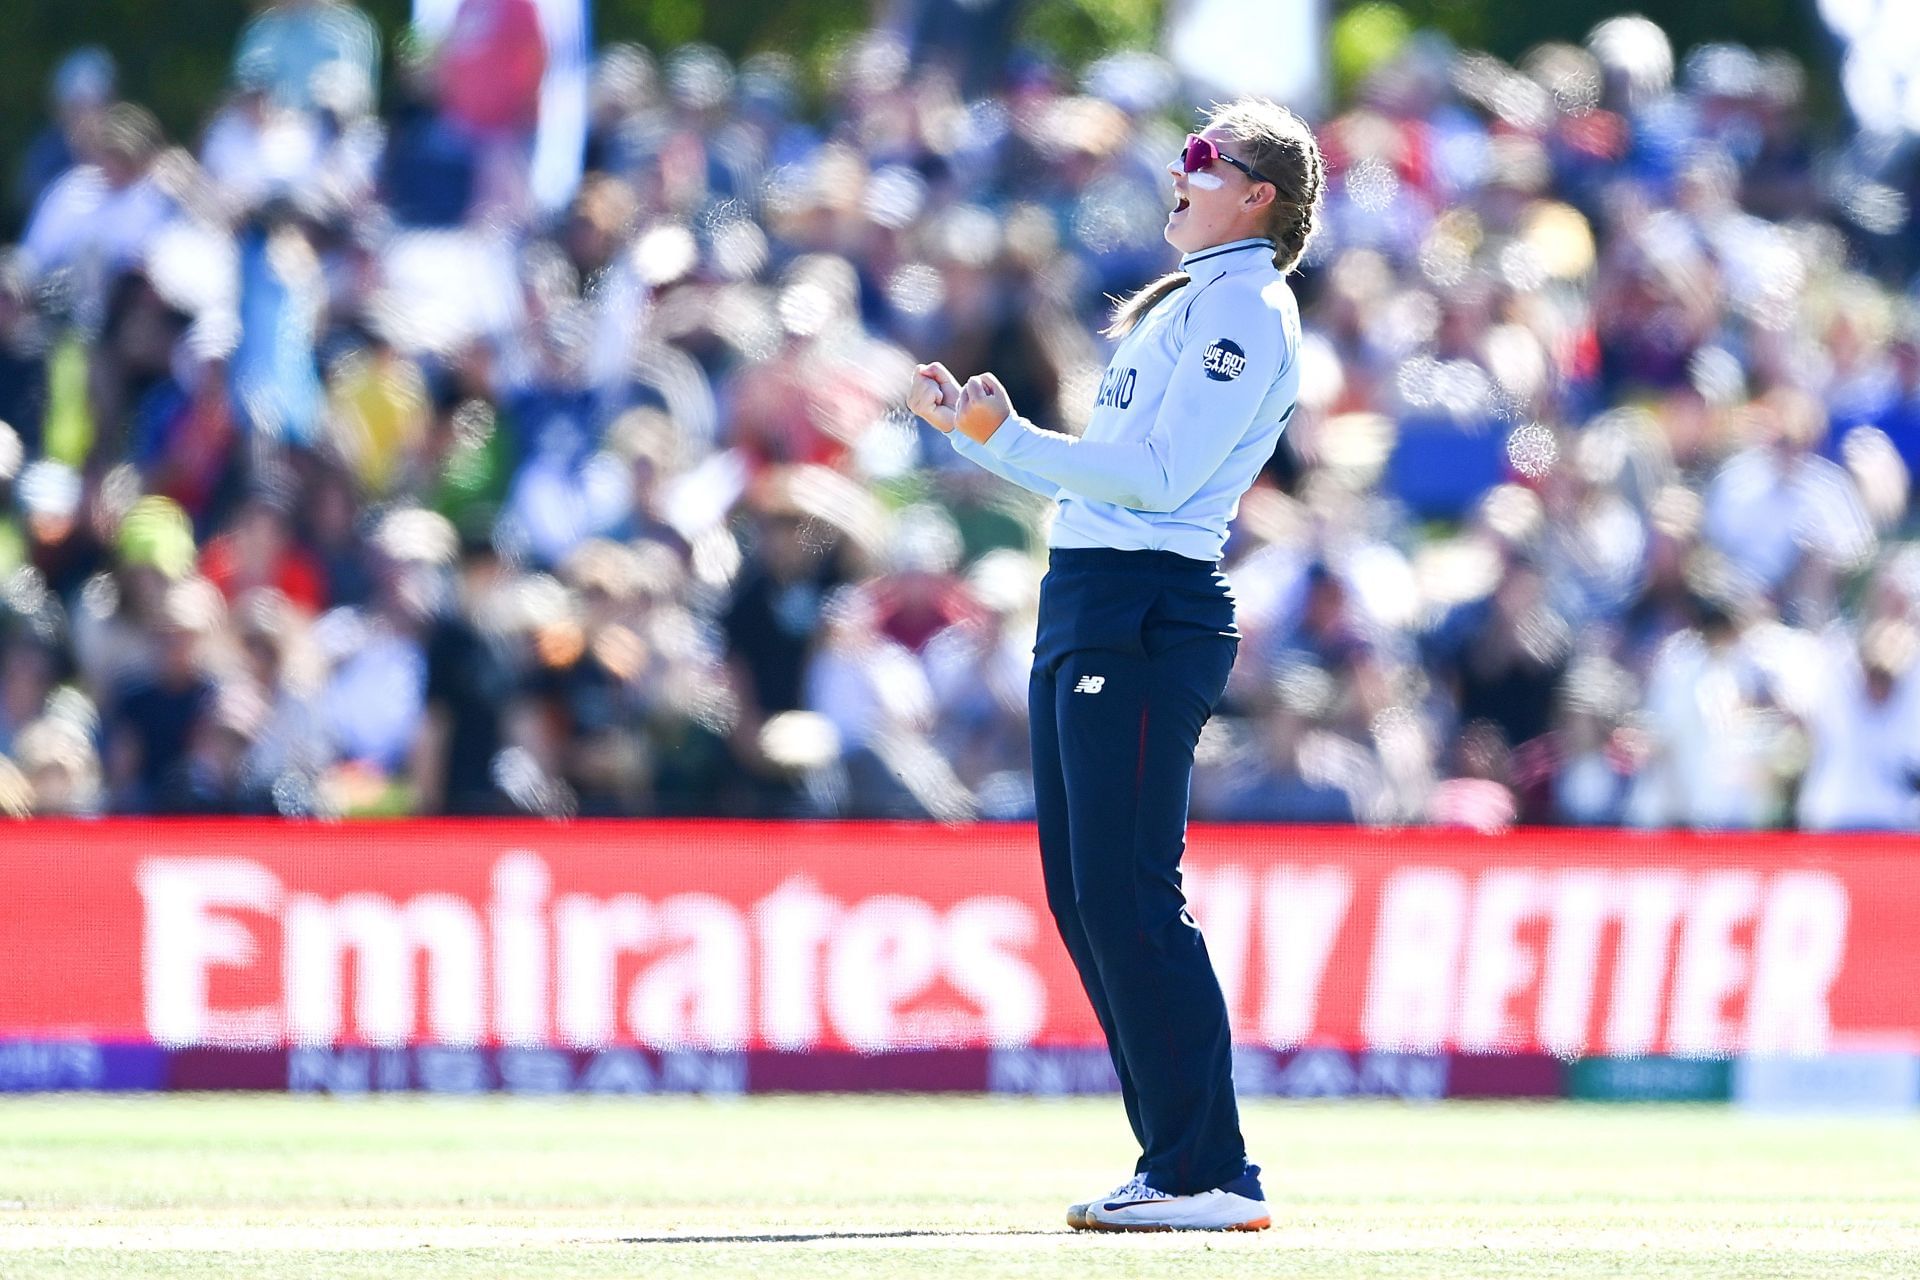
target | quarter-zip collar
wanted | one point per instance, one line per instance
(1216, 260)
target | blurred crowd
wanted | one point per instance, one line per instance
(338, 478)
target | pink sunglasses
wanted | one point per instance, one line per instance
(1201, 152)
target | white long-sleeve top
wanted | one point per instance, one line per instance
(1189, 410)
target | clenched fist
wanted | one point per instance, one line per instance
(982, 407)
(935, 395)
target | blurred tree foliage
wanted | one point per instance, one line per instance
(174, 54)
(1508, 28)
(1511, 27)
(736, 26)
(1080, 30)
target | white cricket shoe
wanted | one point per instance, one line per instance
(1077, 1213)
(1138, 1206)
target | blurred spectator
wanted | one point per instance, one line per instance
(1899, 414)
(276, 384)
(467, 678)
(646, 438)
(1864, 773)
(258, 148)
(793, 564)
(154, 718)
(118, 613)
(1506, 655)
(1776, 503)
(80, 89)
(311, 55)
(875, 694)
(185, 435)
(258, 550)
(213, 776)
(1579, 773)
(920, 596)
(427, 172)
(592, 668)
(23, 360)
(418, 694)
(1322, 632)
(288, 751)
(1477, 796)
(377, 403)
(29, 671)
(101, 216)
(330, 527)
(62, 771)
(977, 667)
(1301, 770)
(375, 696)
(1713, 727)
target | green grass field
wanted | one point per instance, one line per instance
(835, 1187)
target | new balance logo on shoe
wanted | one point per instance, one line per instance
(1090, 684)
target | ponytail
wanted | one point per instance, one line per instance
(1128, 311)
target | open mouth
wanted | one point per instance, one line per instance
(1180, 204)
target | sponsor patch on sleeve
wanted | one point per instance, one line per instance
(1224, 360)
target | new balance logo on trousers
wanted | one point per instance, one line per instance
(1110, 785)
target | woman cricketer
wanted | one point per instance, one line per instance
(1137, 635)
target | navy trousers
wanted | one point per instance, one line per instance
(1132, 655)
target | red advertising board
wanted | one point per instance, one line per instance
(710, 935)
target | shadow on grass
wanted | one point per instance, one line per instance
(802, 1237)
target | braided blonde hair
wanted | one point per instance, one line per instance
(1279, 144)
